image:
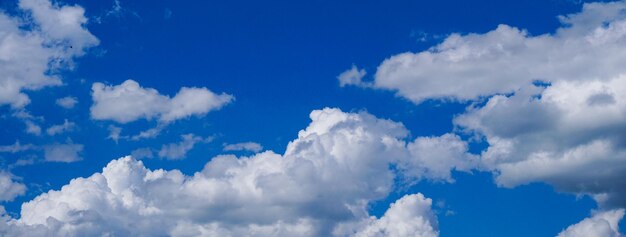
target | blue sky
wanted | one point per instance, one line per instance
(492, 152)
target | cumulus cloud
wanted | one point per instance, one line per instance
(554, 135)
(33, 49)
(551, 107)
(352, 76)
(601, 224)
(60, 128)
(9, 188)
(590, 45)
(409, 216)
(129, 101)
(177, 151)
(244, 146)
(67, 153)
(67, 102)
(320, 186)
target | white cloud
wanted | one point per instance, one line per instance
(466, 67)
(601, 224)
(177, 151)
(409, 216)
(244, 146)
(567, 131)
(9, 188)
(321, 185)
(60, 128)
(63, 152)
(352, 76)
(31, 55)
(129, 101)
(67, 102)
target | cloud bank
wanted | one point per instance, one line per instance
(320, 186)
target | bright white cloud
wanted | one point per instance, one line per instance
(67, 102)
(9, 188)
(567, 131)
(31, 55)
(601, 224)
(352, 76)
(590, 45)
(321, 186)
(409, 216)
(129, 101)
(63, 152)
(244, 146)
(60, 128)
(177, 151)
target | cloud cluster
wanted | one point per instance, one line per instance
(33, 49)
(551, 107)
(320, 186)
(129, 101)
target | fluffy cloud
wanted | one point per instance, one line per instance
(320, 186)
(67, 102)
(129, 101)
(409, 216)
(33, 49)
(601, 224)
(69, 152)
(551, 107)
(590, 45)
(560, 135)
(244, 146)
(9, 188)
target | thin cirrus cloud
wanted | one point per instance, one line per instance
(566, 131)
(129, 101)
(243, 146)
(177, 151)
(321, 186)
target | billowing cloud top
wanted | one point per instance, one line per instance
(321, 186)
